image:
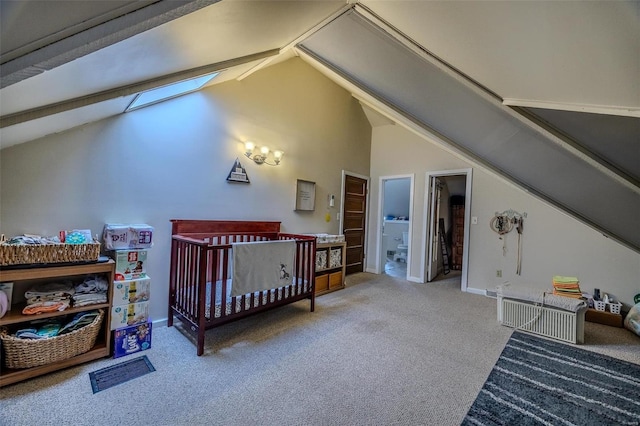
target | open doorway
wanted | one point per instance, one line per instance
(394, 228)
(448, 202)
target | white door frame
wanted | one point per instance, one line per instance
(426, 250)
(432, 239)
(379, 268)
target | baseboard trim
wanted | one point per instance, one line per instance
(415, 280)
(480, 291)
(160, 322)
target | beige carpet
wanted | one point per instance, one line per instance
(383, 351)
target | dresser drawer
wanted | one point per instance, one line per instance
(322, 282)
(335, 279)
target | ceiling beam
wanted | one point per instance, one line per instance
(107, 30)
(130, 89)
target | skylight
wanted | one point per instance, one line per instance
(169, 91)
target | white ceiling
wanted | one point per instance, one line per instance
(65, 63)
(211, 36)
(566, 52)
(563, 55)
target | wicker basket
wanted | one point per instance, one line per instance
(26, 254)
(27, 353)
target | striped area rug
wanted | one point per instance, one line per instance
(543, 382)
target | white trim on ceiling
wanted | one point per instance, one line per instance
(595, 109)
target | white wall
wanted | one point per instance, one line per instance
(553, 243)
(392, 235)
(171, 161)
(397, 197)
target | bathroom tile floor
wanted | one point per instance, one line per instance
(395, 269)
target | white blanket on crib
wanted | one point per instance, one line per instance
(262, 265)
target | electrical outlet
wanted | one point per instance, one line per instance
(499, 273)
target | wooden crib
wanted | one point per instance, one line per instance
(201, 273)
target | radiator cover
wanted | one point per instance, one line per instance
(549, 322)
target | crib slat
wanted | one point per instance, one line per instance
(212, 281)
(223, 278)
(192, 288)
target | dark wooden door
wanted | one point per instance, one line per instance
(353, 224)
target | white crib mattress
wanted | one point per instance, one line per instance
(272, 295)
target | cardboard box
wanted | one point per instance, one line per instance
(603, 317)
(129, 340)
(118, 236)
(131, 291)
(131, 314)
(130, 264)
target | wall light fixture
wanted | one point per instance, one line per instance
(261, 157)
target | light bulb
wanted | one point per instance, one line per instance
(264, 150)
(249, 146)
(278, 154)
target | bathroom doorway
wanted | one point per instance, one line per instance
(395, 225)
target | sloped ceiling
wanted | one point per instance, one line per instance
(568, 71)
(480, 126)
(234, 36)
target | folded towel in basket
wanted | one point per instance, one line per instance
(44, 307)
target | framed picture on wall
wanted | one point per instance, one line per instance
(305, 195)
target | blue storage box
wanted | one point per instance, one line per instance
(129, 340)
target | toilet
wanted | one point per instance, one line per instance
(401, 254)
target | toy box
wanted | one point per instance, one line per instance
(129, 340)
(119, 236)
(131, 291)
(131, 314)
(130, 264)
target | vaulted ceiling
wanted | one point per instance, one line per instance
(546, 94)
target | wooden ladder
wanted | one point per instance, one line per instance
(443, 246)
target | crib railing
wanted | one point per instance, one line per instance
(199, 259)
